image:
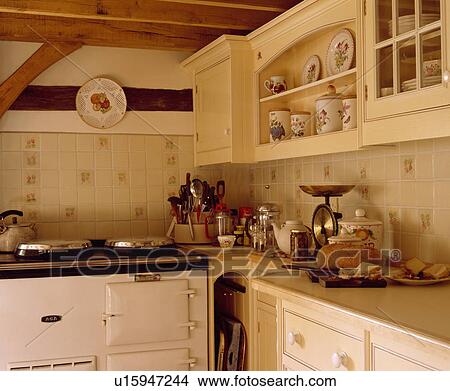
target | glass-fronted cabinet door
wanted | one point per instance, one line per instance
(406, 56)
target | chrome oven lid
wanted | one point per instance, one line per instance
(53, 245)
(149, 242)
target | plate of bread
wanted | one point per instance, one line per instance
(416, 272)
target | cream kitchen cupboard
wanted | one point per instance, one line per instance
(265, 332)
(221, 78)
(315, 335)
(283, 48)
(406, 50)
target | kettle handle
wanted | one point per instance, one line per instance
(10, 212)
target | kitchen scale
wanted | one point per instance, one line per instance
(325, 220)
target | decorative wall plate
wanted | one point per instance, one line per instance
(341, 52)
(311, 70)
(101, 103)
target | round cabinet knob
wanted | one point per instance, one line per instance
(292, 338)
(446, 76)
(339, 359)
(227, 131)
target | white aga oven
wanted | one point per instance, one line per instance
(130, 321)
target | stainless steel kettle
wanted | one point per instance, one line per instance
(13, 234)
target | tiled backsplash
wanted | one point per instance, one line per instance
(406, 186)
(95, 186)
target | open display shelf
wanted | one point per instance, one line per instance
(290, 63)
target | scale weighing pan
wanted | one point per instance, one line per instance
(327, 190)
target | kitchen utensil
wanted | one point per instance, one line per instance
(11, 235)
(191, 229)
(174, 203)
(141, 243)
(432, 68)
(329, 112)
(324, 221)
(263, 237)
(369, 231)
(418, 282)
(300, 241)
(276, 84)
(220, 191)
(301, 123)
(349, 110)
(337, 282)
(197, 192)
(311, 70)
(224, 222)
(279, 124)
(340, 52)
(101, 103)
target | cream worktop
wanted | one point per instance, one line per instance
(421, 311)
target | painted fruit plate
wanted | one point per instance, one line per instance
(341, 52)
(408, 281)
(101, 103)
(311, 70)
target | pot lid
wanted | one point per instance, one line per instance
(53, 245)
(360, 219)
(268, 208)
(331, 94)
(149, 242)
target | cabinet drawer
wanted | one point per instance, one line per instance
(383, 360)
(266, 299)
(319, 346)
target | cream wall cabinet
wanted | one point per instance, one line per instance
(221, 78)
(406, 62)
(283, 49)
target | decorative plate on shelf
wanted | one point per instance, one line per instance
(340, 52)
(311, 70)
(101, 103)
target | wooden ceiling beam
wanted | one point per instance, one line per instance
(269, 5)
(32, 28)
(192, 13)
(40, 60)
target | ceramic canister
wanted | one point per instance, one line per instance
(279, 124)
(349, 110)
(328, 112)
(301, 123)
(368, 230)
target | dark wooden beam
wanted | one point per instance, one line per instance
(62, 98)
(39, 61)
(196, 14)
(32, 28)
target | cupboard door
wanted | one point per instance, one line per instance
(383, 360)
(289, 364)
(142, 312)
(266, 349)
(156, 360)
(406, 56)
(213, 107)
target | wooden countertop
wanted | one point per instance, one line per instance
(423, 311)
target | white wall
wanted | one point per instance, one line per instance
(128, 67)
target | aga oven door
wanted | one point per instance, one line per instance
(144, 312)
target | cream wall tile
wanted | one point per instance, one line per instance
(103, 195)
(137, 160)
(104, 230)
(48, 230)
(86, 212)
(67, 142)
(441, 194)
(122, 229)
(442, 144)
(103, 178)
(392, 168)
(137, 143)
(102, 143)
(11, 179)
(85, 142)
(67, 160)
(68, 179)
(442, 165)
(86, 195)
(11, 160)
(50, 213)
(68, 196)
(139, 229)
(87, 230)
(31, 141)
(49, 142)
(11, 142)
(120, 160)
(121, 212)
(69, 231)
(424, 166)
(85, 160)
(50, 178)
(103, 160)
(49, 160)
(121, 195)
(119, 143)
(50, 196)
